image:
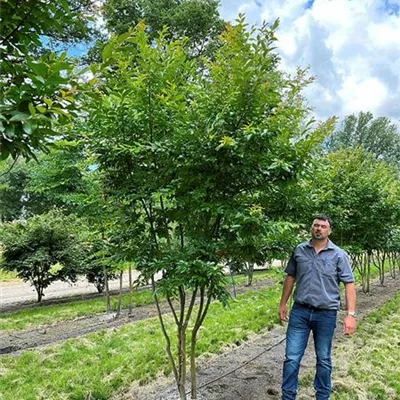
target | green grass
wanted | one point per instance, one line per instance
(110, 360)
(368, 367)
(47, 314)
(6, 276)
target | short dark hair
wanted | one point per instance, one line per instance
(323, 217)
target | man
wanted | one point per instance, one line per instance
(317, 266)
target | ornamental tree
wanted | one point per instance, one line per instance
(42, 250)
(187, 145)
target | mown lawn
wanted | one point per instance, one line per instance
(102, 363)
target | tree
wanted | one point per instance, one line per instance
(41, 250)
(362, 196)
(378, 136)
(38, 88)
(58, 179)
(13, 180)
(197, 20)
(61, 179)
(185, 149)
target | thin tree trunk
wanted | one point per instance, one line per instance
(363, 272)
(368, 271)
(165, 333)
(382, 270)
(130, 290)
(108, 301)
(121, 275)
(202, 312)
(250, 273)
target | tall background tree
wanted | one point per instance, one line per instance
(379, 136)
(197, 20)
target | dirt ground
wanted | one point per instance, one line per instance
(256, 363)
(248, 371)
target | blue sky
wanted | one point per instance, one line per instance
(352, 47)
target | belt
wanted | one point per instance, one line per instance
(309, 306)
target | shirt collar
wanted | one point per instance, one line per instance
(329, 245)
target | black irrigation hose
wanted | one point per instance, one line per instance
(240, 366)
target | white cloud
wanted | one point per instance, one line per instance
(352, 47)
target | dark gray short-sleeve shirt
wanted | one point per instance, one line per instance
(318, 275)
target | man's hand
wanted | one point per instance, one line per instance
(349, 325)
(283, 312)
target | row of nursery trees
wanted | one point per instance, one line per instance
(177, 155)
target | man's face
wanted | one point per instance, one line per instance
(320, 230)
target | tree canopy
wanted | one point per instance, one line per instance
(188, 150)
(37, 87)
(379, 136)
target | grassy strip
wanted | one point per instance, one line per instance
(47, 314)
(369, 367)
(7, 276)
(98, 364)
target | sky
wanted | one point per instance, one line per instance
(352, 47)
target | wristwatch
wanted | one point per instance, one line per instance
(352, 313)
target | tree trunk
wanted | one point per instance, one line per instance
(363, 272)
(39, 291)
(121, 275)
(250, 273)
(130, 290)
(368, 271)
(182, 362)
(108, 303)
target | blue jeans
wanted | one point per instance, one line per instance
(322, 323)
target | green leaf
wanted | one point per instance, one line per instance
(32, 109)
(41, 109)
(29, 126)
(48, 102)
(9, 132)
(4, 152)
(19, 116)
(107, 51)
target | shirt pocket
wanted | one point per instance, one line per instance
(327, 268)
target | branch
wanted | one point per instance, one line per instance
(171, 358)
(190, 309)
(165, 220)
(171, 306)
(182, 297)
(12, 166)
(150, 218)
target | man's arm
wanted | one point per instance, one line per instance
(349, 322)
(286, 292)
